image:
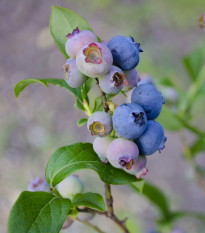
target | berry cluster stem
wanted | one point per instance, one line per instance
(104, 99)
(109, 200)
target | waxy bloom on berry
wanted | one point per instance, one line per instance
(94, 60)
(122, 153)
(125, 52)
(113, 81)
(131, 78)
(100, 146)
(139, 167)
(129, 120)
(70, 186)
(73, 76)
(149, 98)
(77, 39)
(100, 124)
(152, 140)
(38, 184)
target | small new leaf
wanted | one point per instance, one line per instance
(91, 200)
(82, 121)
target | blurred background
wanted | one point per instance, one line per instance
(43, 119)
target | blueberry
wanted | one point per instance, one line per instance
(94, 59)
(100, 146)
(85, 216)
(139, 167)
(149, 98)
(68, 222)
(100, 124)
(131, 78)
(122, 153)
(73, 76)
(77, 39)
(153, 139)
(144, 78)
(70, 186)
(113, 81)
(129, 120)
(38, 184)
(125, 52)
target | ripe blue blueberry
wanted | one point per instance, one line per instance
(100, 146)
(152, 140)
(94, 59)
(70, 186)
(131, 78)
(139, 167)
(122, 153)
(73, 76)
(113, 81)
(77, 39)
(125, 52)
(149, 98)
(129, 120)
(100, 124)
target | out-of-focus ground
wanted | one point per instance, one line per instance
(42, 119)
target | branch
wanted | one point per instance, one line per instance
(189, 158)
(109, 200)
(91, 226)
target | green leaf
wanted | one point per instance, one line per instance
(198, 145)
(64, 21)
(169, 120)
(165, 82)
(91, 200)
(155, 196)
(76, 92)
(87, 87)
(193, 63)
(38, 212)
(182, 214)
(69, 159)
(98, 106)
(82, 121)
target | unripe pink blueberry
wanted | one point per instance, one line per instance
(139, 167)
(70, 186)
(94, 59)
(85, 216)
(145, 78)
(73, 76)
(68, 222)
(113, 81)
(100, 146)
(77, 39)
(100, 124)
(131, 78)
(122, 153)
(38, 184)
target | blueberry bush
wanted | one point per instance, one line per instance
(124, 136)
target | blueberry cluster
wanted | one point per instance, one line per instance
(114, 63)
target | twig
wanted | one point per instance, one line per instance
(91, 226)
(189, 158)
